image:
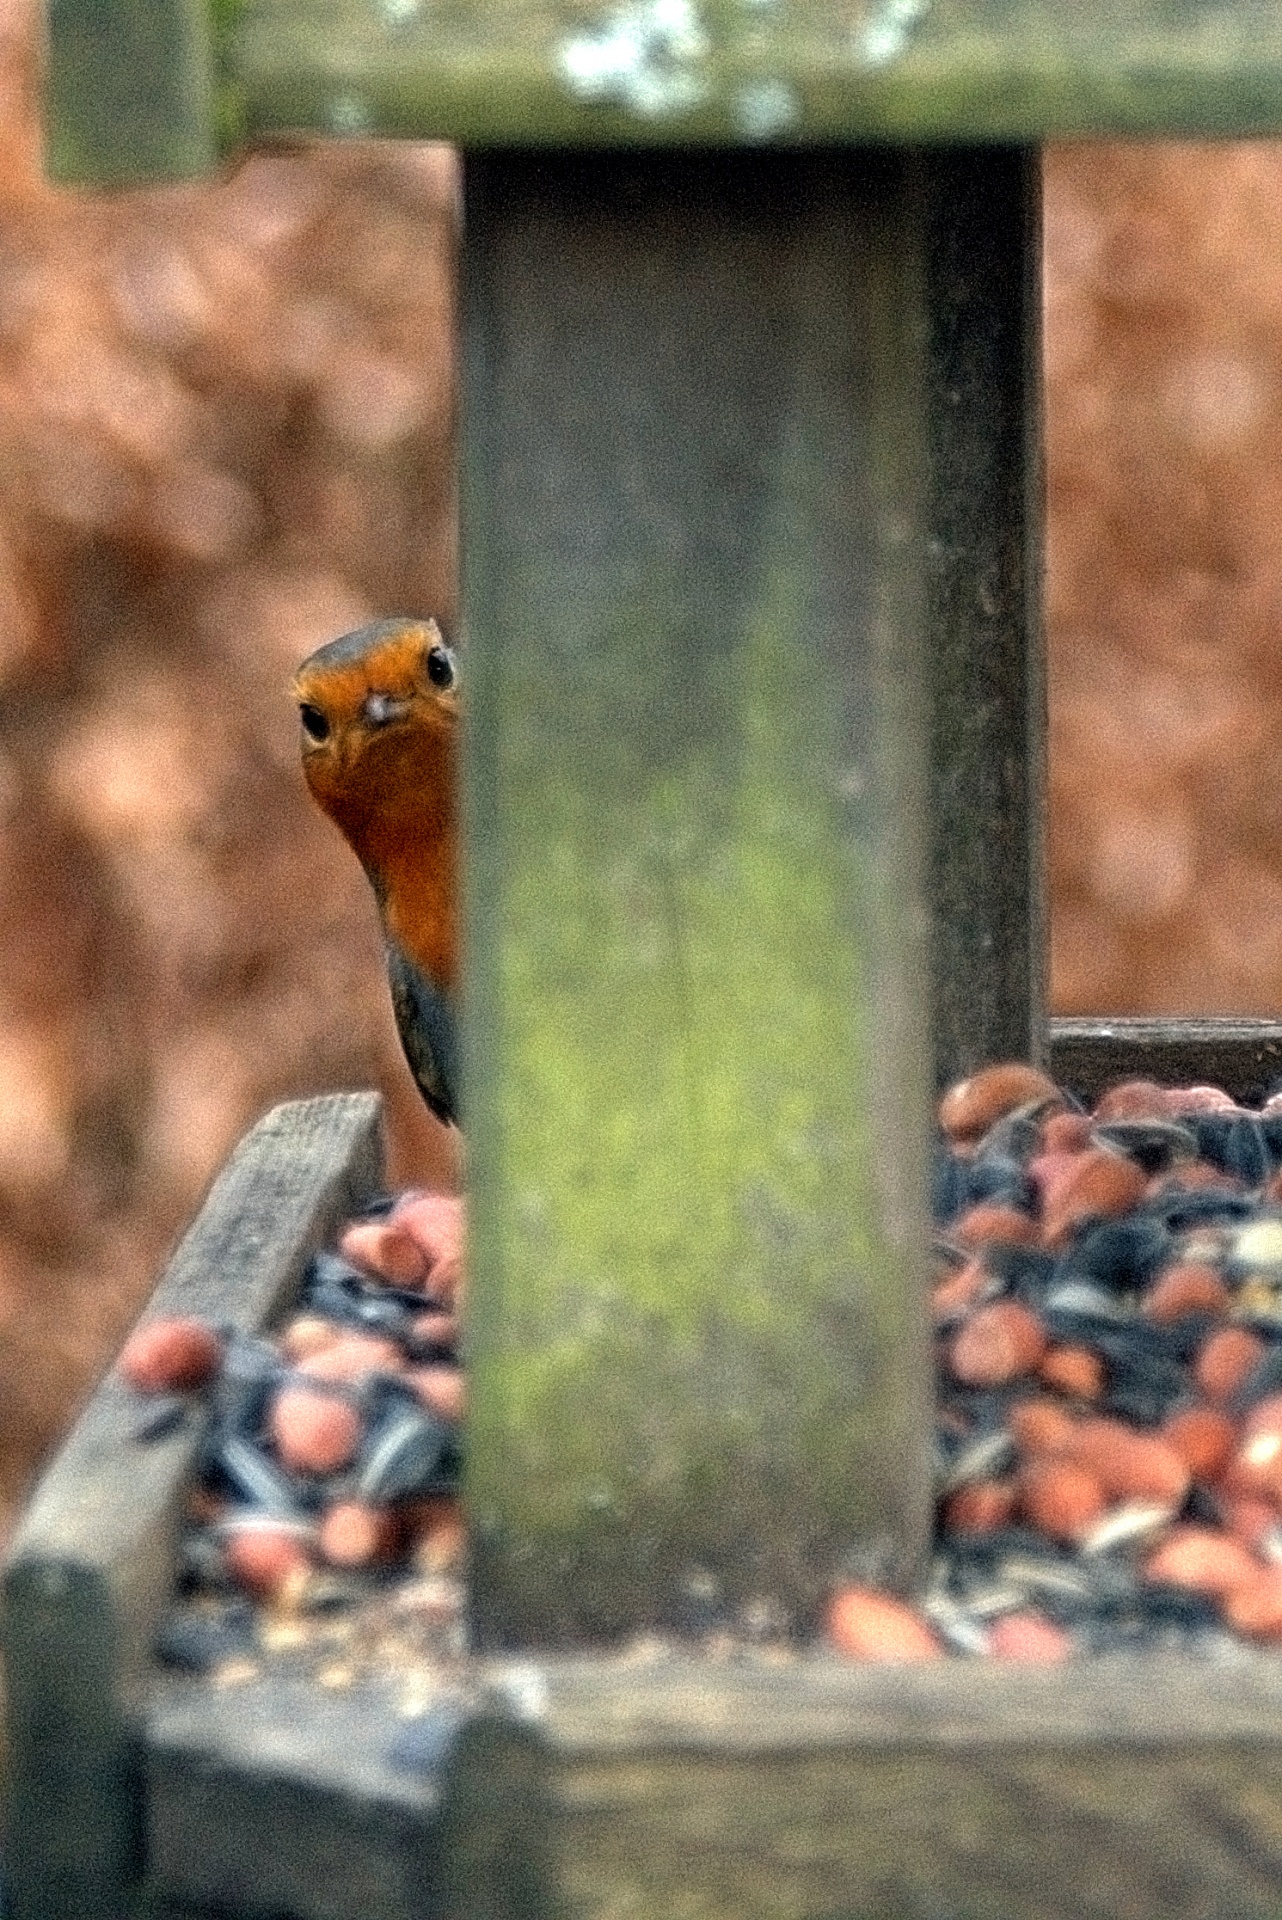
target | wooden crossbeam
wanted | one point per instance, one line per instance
(1242, 1056)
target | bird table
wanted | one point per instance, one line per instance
(754, 818)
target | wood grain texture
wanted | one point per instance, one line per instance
(1242, 1056)
(1113, 1789)
(698, 1081)
(988, 744)
(92, 1563)
(279, 1797)
(924, 1836)
(804, 1788)
(553, 72)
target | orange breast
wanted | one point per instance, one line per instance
(395, 802)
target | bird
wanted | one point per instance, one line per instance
(379, 713)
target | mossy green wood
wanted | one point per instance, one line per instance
(606, 72)
(146, 89)
(130, 89)
(697, 1092)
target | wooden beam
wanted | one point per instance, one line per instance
(1150, 1787)
(698, 1073)
(279, 1796)
(988, 753)
(556, 73)
(766, 1786)
(1242, 1056)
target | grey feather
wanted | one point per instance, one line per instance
(429, 1035)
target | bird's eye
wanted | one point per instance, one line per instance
(440, 667)
(315, 725)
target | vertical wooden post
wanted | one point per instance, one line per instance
(694, 444)
(984, 570)
(130, 92)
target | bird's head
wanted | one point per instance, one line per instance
(377, 708)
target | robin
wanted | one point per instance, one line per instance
(380, 715)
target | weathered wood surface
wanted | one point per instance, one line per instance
(557, 72)
(281, 1798)
(129, 90)
(1242, 1056)
(272, 1796)
(93, 1561)
(984, 653)
(131, 104)
(803, 1788)
(698, 1081)
(1109, 1789)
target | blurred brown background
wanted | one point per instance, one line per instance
(226, 435)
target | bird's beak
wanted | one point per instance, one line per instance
(378, 708)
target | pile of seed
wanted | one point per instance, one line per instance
(1107, 1304)
(329, 1462)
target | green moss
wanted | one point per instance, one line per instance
(230, 94)
(490, 72)
(696, 1330)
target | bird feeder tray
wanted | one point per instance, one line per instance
(764, 1786)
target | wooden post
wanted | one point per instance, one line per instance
(694, 444)
(988, 783)
(131, 92)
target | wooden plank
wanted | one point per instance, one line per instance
(274, 1796)
(278, 1796)
(130, 90)
(92, 1563)
(1115, 1789)
(764, 1787)
(698, 1077)
(558, 73)
(1242, 1056)
(988, 798)
(138, 88)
